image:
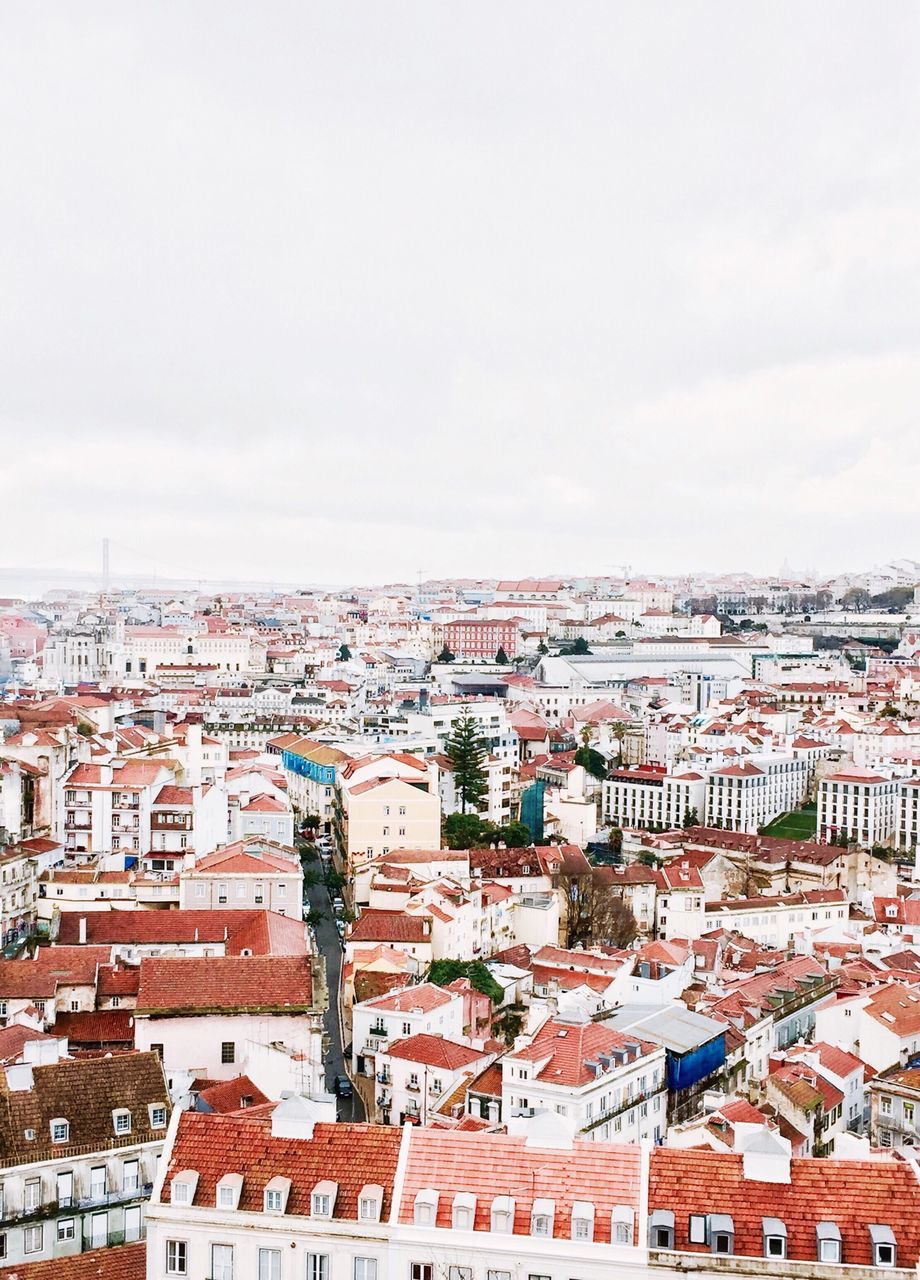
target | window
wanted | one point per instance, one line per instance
(365, 1269)
(774, 1238)
(176, 1258)
(421, 1271)
(32, 1240)
(697, 1228)
(131, 1175)
(886, 1106)
(407, 1029)
(200, 890)
(908, 1112)
(581, 1229)
(269, 1264)
(317, 1266)
(158, 1050)
(540, 1225)
(221, 1262)
(132, 1223)
(122, 1121)
(321, 1206)
(2, 1245)
(460, 1273)
(33, 1194)
(367, 1208)
(66, 1229)
(228, 1051)
(273, 1201)
(830, 1244)
(884, 1249)
(60, 1130)
(181, 1193)
(158, 1117)
(661, 1229)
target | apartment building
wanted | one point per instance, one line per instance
(283, 1195)
(750, 794)
(651, 795)
(249, 873)
(859, 806)
(425, 1009)
(608, 1085)
(384, 803)
(416, 1076)
(79, 1144)
(109, 807)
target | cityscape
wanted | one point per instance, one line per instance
(459, 640)
(425, 928)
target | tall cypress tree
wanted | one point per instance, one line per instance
(466, 752)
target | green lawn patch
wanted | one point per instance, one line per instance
(799, 824)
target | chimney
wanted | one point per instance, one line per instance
(82, 929)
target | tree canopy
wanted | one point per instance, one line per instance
(443, 972)
(466, 751)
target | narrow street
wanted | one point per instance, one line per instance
(330, 947)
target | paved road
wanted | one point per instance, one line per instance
(327, 939)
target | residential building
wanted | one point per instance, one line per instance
(254, 872)
(858, 805)
(207, 1016)
(609, 1086)
(282, 1195)
(79, 1144)
(750, 794)
(416, 1076)
(894, 1101)
(425, 1009)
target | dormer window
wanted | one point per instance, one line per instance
(157, 1116)
(426, 1207)
(661, 1229)
(276, 1194)
(183, 1187)
(60, 1130)
(322, 1199)
(463, 1211)
(621, 1224)
(884, 1245)
(582, 1220)
(121, 1119)
(370, 1202)
(774, 1238)
(722, 1233)
(830, 1244)
(228, 1191)
(502, 1215)
(541, 1217)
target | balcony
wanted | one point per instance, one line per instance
(413, 1088)
(384, 1077)
(71, 1204)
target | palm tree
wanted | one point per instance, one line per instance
(618, 731)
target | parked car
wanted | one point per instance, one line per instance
(342, 1087)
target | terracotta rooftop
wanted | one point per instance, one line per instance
(123, 1262)
(203, 984)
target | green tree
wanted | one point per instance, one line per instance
(578, 648)
(344, 653)
(443, 972)
(501, 657)
(542, 647)
(591, 760)
(466, 751)
(618, 732)
(445, 655)
(647, 858)
(464, 830)
(615, 839)
(314, 917)
(889, 711)
(691, 818)
(856, 598)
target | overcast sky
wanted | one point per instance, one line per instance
(334, 291)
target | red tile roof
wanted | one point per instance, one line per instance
(229, 1095)
(422, 998)
(377, 925)
(570, 1046)
(264, 932)
(434, 1051)
(202, 984)
(124, 1262)
(349, 1154)
(490, 1165)
(51, 968)
(100, 1027)
(850, 1193)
